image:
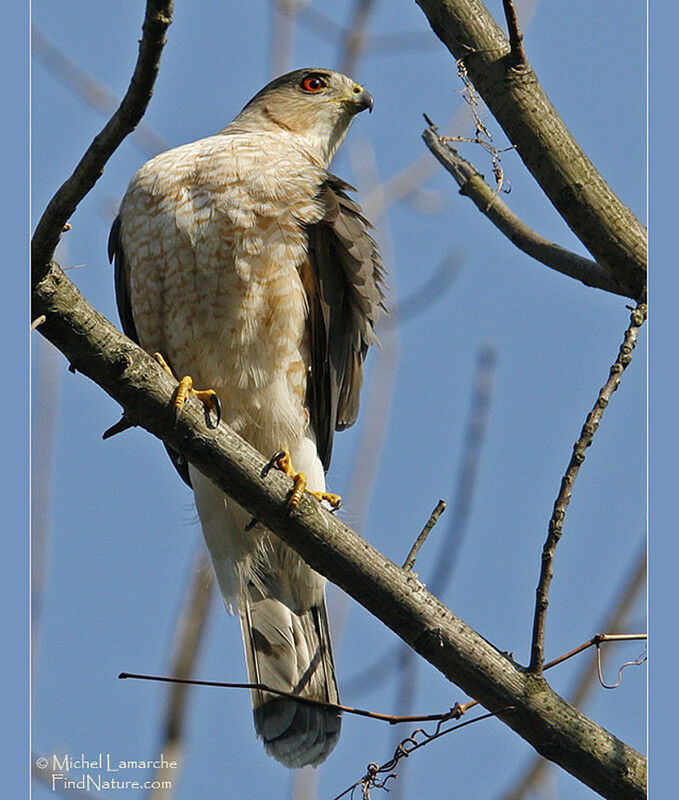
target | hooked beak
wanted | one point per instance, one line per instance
(360, 100)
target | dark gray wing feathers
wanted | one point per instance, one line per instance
(346, 294)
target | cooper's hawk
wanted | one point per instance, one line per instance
(243, 261)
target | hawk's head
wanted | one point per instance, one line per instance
(316, 104)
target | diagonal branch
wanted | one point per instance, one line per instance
(607, 228)
(95, 348)
(157, 19)
(488, 201)
(637, 319)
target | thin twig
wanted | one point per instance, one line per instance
(89, 91)
(283, 23)
(393, 719)
(489, 203)
(405, 748)
(596, 641)
(633, 663)
(355, 36)
(422, 299)
(563, 499)
(614, 619)
(409, 563)
(157, 18)
(123, 424)
(518, 54)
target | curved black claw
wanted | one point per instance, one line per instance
(218, 412)
(271, 463)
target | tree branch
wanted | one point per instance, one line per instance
(515, 36)
(488, 201)
(556, 729)
(157, 19)
(607, 228)
(563, 499)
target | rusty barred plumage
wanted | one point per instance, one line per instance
(243, 261)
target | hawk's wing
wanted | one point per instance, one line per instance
(122, 285)
(344, 280)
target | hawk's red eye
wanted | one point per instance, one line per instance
(313, 83)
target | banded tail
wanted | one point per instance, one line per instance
(290, 650)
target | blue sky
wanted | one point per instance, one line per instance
(122, 528)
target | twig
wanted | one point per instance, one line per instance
(409, 563)
(143, 388)
(393, 719)
(563, 499)
(614, 619)
(123, 424)
(157, 18)
(596, 641)
(605, 226)
(284, 18)
(405, 748)
(518, 54)
(189, 632)
(633, 663)
(488, 202)
(434, 289)
(355, 36)
(92, 93)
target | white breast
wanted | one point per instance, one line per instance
(213, 235)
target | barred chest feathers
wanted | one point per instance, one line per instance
(215, 276)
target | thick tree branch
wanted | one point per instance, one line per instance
(489, 202)
(90, 167)
(637, 319)
(395, 596)
(607, 228)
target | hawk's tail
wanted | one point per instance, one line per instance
(290, 651)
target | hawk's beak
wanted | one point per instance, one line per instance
(360, 100)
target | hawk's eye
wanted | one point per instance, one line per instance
(313, 83)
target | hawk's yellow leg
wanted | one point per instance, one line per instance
(208, 397)
(283, 462)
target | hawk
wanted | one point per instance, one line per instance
(243, 264)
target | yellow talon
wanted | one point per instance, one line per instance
(334, 499)
(283, 462)
(208, 397)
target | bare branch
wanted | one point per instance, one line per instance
(393, 719)
(355, 36)
(612, 621)
(488, 201)
(563, 499)
(284, 17)
(515, 36)
(415, 549)
(145, 390)
(89, 90)
(416, 740)
(90, 167)
(607, 228)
